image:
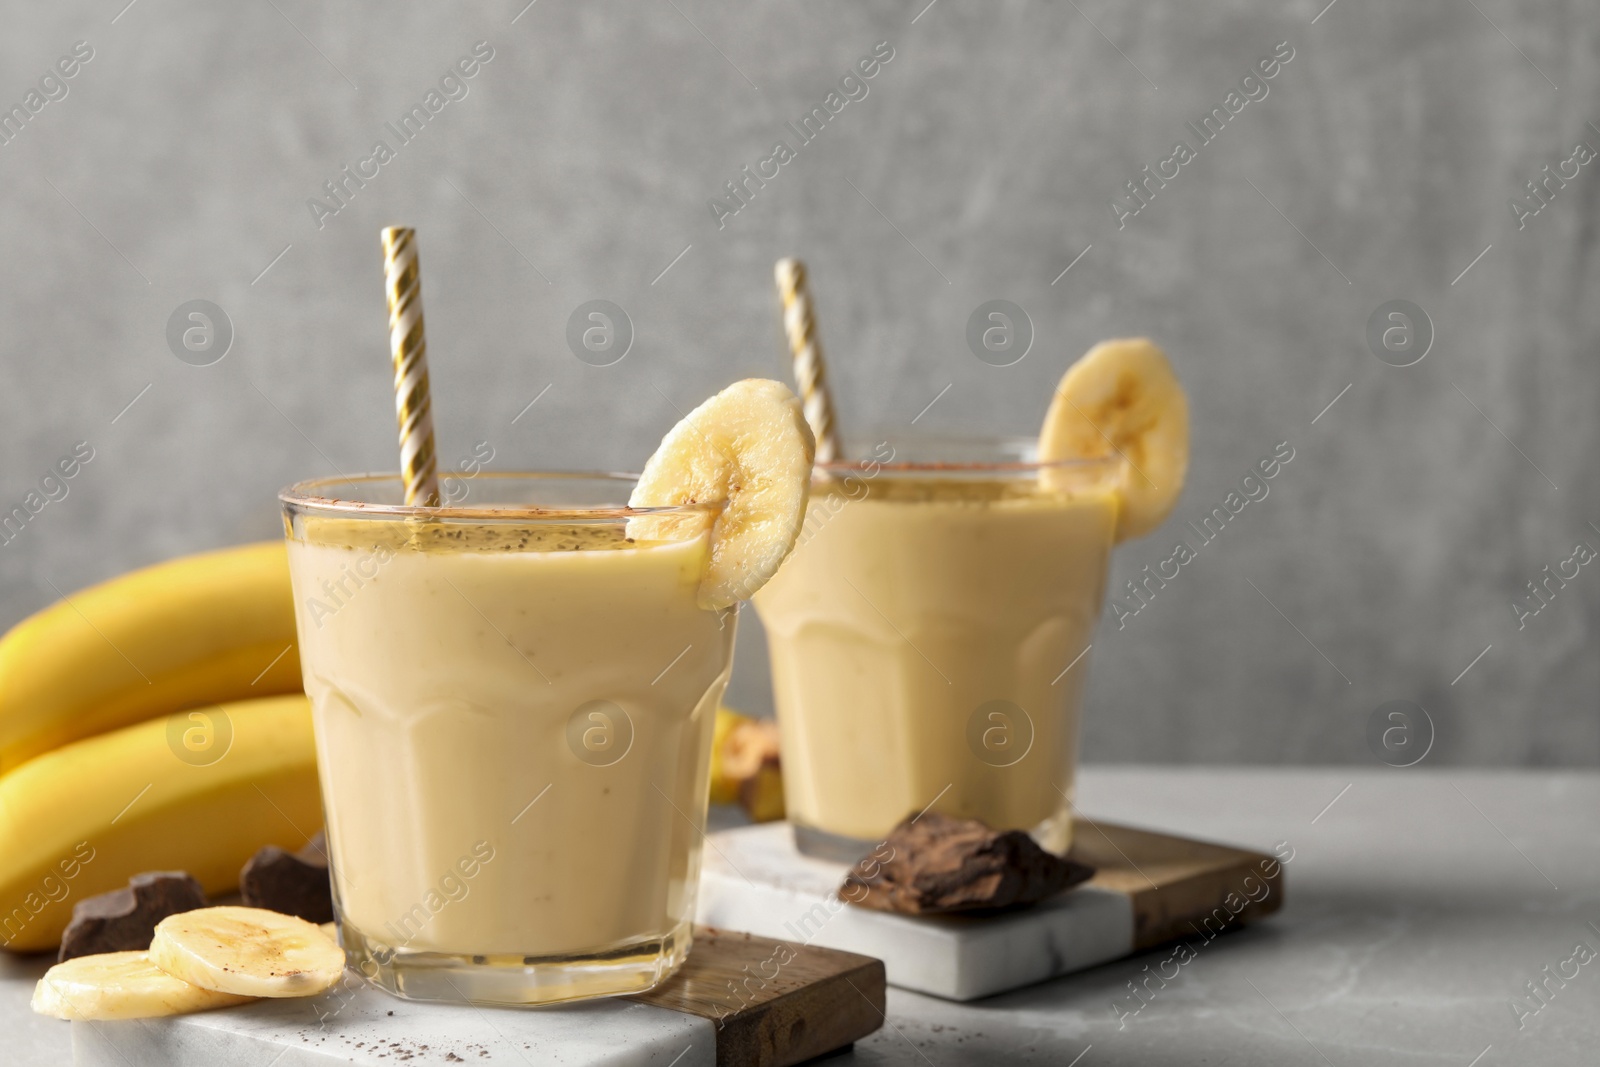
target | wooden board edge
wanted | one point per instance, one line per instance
(1209, 901)
(840, 997)
(1199, 887)
(1198, 849)
(850, 1004)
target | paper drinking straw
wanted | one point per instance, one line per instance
(810, 372)
(402, 278)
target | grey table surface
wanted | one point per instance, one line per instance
(1420, 904)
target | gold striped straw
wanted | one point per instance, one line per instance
(810, 370)
(402, 277)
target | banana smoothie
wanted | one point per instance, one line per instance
(515, 677)
(918, 637)
(930, 636)
(513, 699)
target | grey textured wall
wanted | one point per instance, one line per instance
(983, 161)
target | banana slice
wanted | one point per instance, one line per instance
(750, 448)
(248, 951)
(1122, 399)
(120, 985)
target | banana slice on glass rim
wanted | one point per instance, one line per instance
(1121, 400)
(749, 448)
(121, 985)
(249, 952)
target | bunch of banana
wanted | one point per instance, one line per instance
(198, 792)
(140, 729)
(199, 630)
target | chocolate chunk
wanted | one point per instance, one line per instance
(936, 865)
(125, 919)
(295, 883)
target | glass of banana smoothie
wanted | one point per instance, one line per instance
(513, 701)
(929, 638)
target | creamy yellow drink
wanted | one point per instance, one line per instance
(513, 729)
(920, 637)
(514, 696)
(929, 637)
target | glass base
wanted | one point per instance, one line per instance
(1053, 835)
(515, 980)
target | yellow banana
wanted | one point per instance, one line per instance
(196, 791)
(191, 632)
(724, 787)
(744, 765)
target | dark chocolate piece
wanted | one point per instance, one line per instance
(125, 919)
(294, 883)
(936, 865)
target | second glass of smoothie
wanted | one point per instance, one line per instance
(928, 639)
(513, 703)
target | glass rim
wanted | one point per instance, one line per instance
(997, 442)
(303, 497)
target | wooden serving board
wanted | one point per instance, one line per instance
(1150, 888)
(774, 1002)
(1176, 884)
(739, 999)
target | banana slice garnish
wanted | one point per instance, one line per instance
(749, 448)
(1122, 401)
